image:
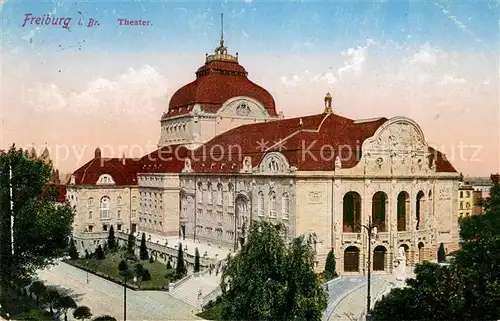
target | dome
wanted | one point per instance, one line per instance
(220, 79)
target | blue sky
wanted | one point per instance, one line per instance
(257, 26)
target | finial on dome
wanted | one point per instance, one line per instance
(221, 51)
(328, 104)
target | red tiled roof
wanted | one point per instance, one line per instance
(123, 171)
(169, 159)
(216, 82)
(442, 164)
(312, 146)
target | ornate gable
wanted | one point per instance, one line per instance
(398, 147)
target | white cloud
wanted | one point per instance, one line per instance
(356, 58)
(451, 80)
(133, 92)
(328, 77)
(292, 81)
(427, 55)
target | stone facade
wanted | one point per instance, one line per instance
(388, 176)
(99, 207)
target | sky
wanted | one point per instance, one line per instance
(87, 81)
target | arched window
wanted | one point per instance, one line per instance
(134, 200)
(379, 211)
(285, 206)
(210, 198)
(220, 195)
(420, 208)
(260, 203)
(352, 213)
(119, 201)
(91, 202)
(403, 211)
(230, 197)
(105, 208)
(272, 204)
(199, 194)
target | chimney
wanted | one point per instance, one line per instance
(123, 159)
(97, 153)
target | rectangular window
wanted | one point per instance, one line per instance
(468, 194)
(461, 194)
(119, 214)
(91, 228)
(133, 213)
(119, 227)
(105, 227)
(461, 205)
(90, 215)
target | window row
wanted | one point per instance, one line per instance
(351, 216)
(219, 232)
(104, 202)
(151, 222)
(174, 128)
(272, 201)
(216, 194)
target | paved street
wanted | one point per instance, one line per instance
(339, 288)
(104, 297)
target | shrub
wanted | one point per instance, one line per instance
(122, 266)
(146, 276)
(72, 252)
(139, 270)
(151, 260)
(441, 253)
(99, 253)
(196, 261)
(143, 251)
(330, 266)
(169, 265)
(87, 255)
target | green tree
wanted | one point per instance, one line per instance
(122, 266)
(82, 313)
(196, 260)
(169, 265)
(99, 253)
(72, 252)
(111, 239)
(468, 289)
(330, 266)
(143, 250)
(139, 270)
(41, 227)
(146, 276)
(38, 289)
(180, 268)
(104, 318)
(87, 255)
(131, 243)
(51, 298)
(64, 304)
(441, 253)
(268, 280)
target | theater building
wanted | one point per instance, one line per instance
(227, 157)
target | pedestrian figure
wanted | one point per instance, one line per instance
(199, 294)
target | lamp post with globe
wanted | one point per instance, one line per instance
(371, 230)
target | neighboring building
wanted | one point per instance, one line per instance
(465, 199)
(226, 158)
(481, 186)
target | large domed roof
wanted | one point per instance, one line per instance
(220, 79)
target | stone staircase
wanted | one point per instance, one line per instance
(189, 289)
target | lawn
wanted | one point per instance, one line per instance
(109, 266)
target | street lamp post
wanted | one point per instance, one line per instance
(371, 229)
(87, 266)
